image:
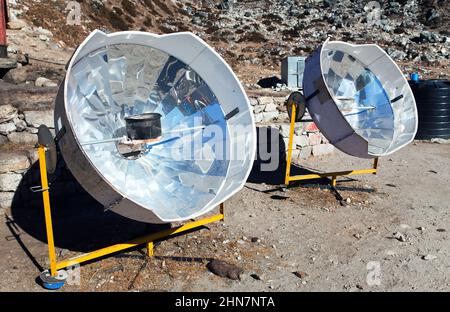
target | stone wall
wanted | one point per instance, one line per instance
(270, 110)
(18, 136)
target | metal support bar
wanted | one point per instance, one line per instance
(291, 143)
(138, 241)
(47, 210)
(150, 249)
(333, 175)
(148, 239)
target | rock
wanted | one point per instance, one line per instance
(271, 107)
(43, 38)
(20, 124)
(440, 141)
(305, 152)
(284, 130)
(314, 138)
(9, 181)
(10, 161)
(265, 100)
(7, 113)
(255, 239)
(322, 149)
(269, 116)
(23, 138)
(225, 269)
(6, 199)
(256, 277)
(429, 257)
(37, 118)
(17, 75)
(258, 118)
(399, 236)
(45, 32)
(44, 82)
(32, 155)
(301, 140)
(397, 55)
(253, 101)
(300, 274)
(7, 128)
(17, 24)
(258, 109)
(3, 139)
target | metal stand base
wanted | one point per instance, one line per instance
(50, 278)
(332, 175)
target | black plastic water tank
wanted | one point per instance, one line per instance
(433, 106)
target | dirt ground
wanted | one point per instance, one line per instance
(270, 233)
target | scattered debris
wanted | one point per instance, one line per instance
(399, 236)
(256, 277)
(440, 141)
(113, 269)
(429, 257)
(300, 274)
(255, 240)
(44, 82)
(225, 269)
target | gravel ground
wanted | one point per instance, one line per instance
(391, 235)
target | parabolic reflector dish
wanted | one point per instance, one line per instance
(157, 128)
(359, 99)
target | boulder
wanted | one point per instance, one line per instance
(23, 138)
(3, 139)
(7, 113)
(271, 107)
(20, 124)
(265, 100)
(17, 75)
(44, 82)
(10, 161)
(322, 149)
(17, 24)
(7, 128)
(9, 181)
(37, 118)
(6, 199)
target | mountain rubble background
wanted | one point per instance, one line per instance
(253, 36)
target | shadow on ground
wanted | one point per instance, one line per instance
(79, 221)
(270, 161)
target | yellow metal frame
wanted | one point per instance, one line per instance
(288, 178)
(147, 240)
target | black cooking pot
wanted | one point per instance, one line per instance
(143, 127)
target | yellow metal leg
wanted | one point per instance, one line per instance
(47, 210)
(290, 147)
(150, 249)
(221, 209)
(375, 165)
(333, 181)
(149, 239)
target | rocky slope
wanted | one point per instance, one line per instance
(254, 36)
